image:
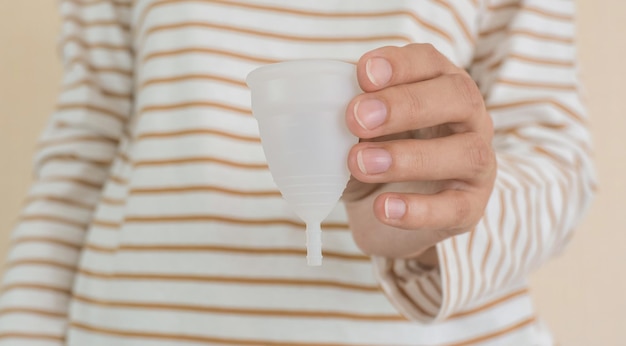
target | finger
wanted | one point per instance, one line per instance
(448, 99)
(465, 156)
(448, 213)
(388, 66)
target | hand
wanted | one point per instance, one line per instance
(424, 169)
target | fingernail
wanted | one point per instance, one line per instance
(370, 113)
(373, 160)
(378, 71)
(395, 208)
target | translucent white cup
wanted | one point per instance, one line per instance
(300, 107)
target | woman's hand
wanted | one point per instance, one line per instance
(424, 169)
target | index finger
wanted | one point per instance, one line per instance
(388, 66)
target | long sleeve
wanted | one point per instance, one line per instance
(525, 66)
(72, 164)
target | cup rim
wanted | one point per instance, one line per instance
(298, 68)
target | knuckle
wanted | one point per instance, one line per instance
(480, 155)
(419, 158)
(443, 234)
(430, 50)
(462, 212)
(434, 57)
(468, 92)
(421, 213)
(413, 101)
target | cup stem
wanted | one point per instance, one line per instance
(314, 244)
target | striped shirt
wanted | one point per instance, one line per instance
(154, 220)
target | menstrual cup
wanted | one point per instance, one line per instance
(300, 107)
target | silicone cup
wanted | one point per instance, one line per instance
(300, 107)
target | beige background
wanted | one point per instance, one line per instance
(581, 294)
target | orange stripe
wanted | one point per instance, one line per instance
(470, 262)
(97, 2)
(215, 218)
(536, 102)
(201, 160)
(495, 65)
(445, 293)
(433, 282)
(60, 200)
(193, 338)
(267, 34)
(105, 224)
(225, 248)
(205, 188)
(192, 132)
(231, 280)
(513, 269)
(202, 77)
(122, 156)
(91, 23)
(183, 105)
(112, 201)
(21, 335)
(547, 14)
(461, 279)
(79, 60)
(481, 58)
(238, 311)
(88, 107)
(496, 334)
(541, 61)
(48, 240)
(544, 125)
(79, 181)
(550, 207)
(93, 45)
(497, 29)
(58, 141)
(491, 304)
(565, 196)
(504, 6)
(54, 218)
(538, 259)
(550, 63)
(557, 159)
(212, 51)
(383, 14)
(212, 218)
(500, 237)
(457, 17)
(39, 262)
(31, 311)
(540, 85)
(487, 253)
(407, 298)
(95, 85)
(538, 234)
(118, 180)
(531, 9)
(528, 217)
(425, 294)
(545, 37)
(31, 286)
(75, 159)
(308, 13)
(100, 248)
